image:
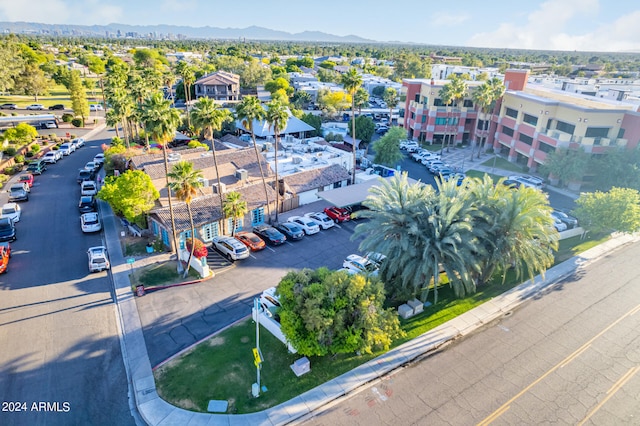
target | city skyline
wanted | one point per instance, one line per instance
(584, 25)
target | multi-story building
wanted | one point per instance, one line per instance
(220, 86)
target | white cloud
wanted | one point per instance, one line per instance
(87, 12)
(445, 19)
(546, 28)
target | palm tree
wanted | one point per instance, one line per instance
(482, 99)
(249, 110)
(351, 81)
(277, 116)
(113, 118)
(234, 207)
(361, 99)
(423, 231)
(188, 78)
(208, 118)
(458, 91)
(390, 97)
(185, 181)
(169, 79)
(497, 91)
(445, 96)
(161, 122)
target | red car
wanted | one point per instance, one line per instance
(338, 214)
(26, 178)
(251, 240)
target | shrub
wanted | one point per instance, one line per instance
(55, 147)
(77, 122)
(11, 151)
(200, 250)
(35, 148)
(29, 154)
(73, 136)
(52, 136)
(19, 158)
(197, 144)
(67, 117)
(3, 179)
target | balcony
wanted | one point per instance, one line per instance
(558, 135)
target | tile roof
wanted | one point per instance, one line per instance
(219, 78)
(315, 178)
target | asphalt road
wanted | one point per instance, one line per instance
(57, 322)
(571, 356)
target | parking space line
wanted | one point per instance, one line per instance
(271, 249)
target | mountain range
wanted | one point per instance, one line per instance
(249, 33)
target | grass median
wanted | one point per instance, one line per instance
(222, 366)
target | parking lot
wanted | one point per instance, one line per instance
(175, 318)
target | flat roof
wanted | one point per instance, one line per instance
(352, 194)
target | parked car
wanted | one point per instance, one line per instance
(338, 214)
(530, 182)
(92, 166)
(50, 157)
(435, 165)
(90, 222)
(231, 248)
(37, 167)
(559, 225)
(510, 183)
(56, 106)
(11, 211)
(78, 142)
(85, 175)
(291, 230)
(321, 219)
(382, 130)
(7, 230)
(251, 240)
(360, 264)
(270, 234)
(98, 259)
(95, 107)
(7, 247)
(49, 125)
(99, 158)
(87, 204)
(26, 178)
(88, 187)
(67, 148)
(430, 157)
(18, 192)
(308, 226)
(4, 260)
(443, 171)
(35, 107)
(568, 220)
(9, 106)
(409, 145)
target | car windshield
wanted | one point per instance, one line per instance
(8, 210)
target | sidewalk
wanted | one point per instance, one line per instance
(155, 411)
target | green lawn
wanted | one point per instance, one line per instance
(160, 274)
(58, 94)
(501, 163)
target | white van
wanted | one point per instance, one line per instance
(528, 181)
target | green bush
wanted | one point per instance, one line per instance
(11, 151)
(3, 179)
(67, 117)
(30, 154)
(55, 147)
(19, 158)
(52, 136)
(35, 148)
(77, 122)
(197, 144)
(72, 136)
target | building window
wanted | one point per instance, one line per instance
(546, 147)
(257, 216)
(238, 224)
(621, 133)
(437, 102)
(526, 139)
(511, 113)
(468, 103)
(565, 127)
(165, 237)
(337, 185)
(468, 121)
(417, 98)
(530, 119)
(424, 118)
(154, 227)
(441, 121)
(507, 131)
(413, 116)
(597, 132)
(209, 231)
(183, 238)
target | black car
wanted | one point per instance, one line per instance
(56, 106)
(269, 234)
(7, 230)
(564, 217)
(84, 174)
(87, 204)
(291, 230)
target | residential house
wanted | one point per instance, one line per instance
(305, 185)
(220, 86)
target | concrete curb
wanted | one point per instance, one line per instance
(156, 411)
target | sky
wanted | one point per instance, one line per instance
(583, 25)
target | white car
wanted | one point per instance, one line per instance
(90, 222)
(50, 157)
(12, 211)
(50, 125)
(230, 247)
(78, 142)
(67, 148)
(98, 259)
(36, 107)
(321, 219)
(88, 187)
(309, 226)
(559, 225)
(99, 158)
(95, 107)
(360, 264)
(92, 166)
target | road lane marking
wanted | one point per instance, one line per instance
(271, 249)
(562, 363)
(612, 390)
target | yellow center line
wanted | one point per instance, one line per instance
(489, 419)
(612, 391)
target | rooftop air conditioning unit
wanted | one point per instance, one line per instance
(296, 160)
(204, 182)
(242, 174)
(174, 156)
(267, 146)
(221, 190)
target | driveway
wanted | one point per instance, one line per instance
(176, 318)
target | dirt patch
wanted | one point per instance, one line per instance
(244, 339)
(187, 404)
(216, 341)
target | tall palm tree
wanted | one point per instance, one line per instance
(249, 110)
(169, 79)
(208, 118)
(185, 71)
(277, 116)
(458, 90)
(185, 181)
(446, 97)
(390, 97)
(161, 122)
(234, 207)
(497, 91)
(112, 118)
(482, 98)
(361, 99)
(351, 81)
